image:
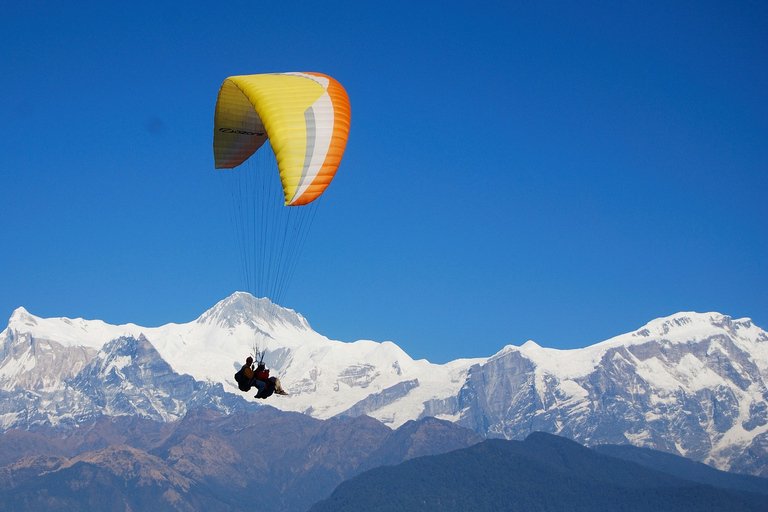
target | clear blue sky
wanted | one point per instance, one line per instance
(556, 171)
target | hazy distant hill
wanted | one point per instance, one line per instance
(544, 473)
(265, 460)
(282, 461)
(685, 468)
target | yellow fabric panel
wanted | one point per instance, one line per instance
(296, 113)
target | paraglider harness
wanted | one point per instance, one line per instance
(261, 373)
(243, 382)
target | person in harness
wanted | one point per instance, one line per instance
(272, 384)
(259, 378)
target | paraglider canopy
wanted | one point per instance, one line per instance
(304, 115)
(301, 122)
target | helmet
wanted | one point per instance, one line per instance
(249, 360)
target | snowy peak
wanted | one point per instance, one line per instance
(22, 317)
(243, 308)
(66, 331)
(686, 323)
(723, 332)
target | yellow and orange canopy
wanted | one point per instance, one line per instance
(304, 115)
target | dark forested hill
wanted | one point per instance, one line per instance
(685, 468)
(543, 473)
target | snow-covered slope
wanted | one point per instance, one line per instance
(325, 378)
(692, 383)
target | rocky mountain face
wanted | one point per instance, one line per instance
(691, 384)
(264, 460)
(66, 386)
(700, 393)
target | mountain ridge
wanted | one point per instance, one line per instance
(207, 460)
(692, 383)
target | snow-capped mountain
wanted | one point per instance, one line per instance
(325, 377)
(692, 384)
